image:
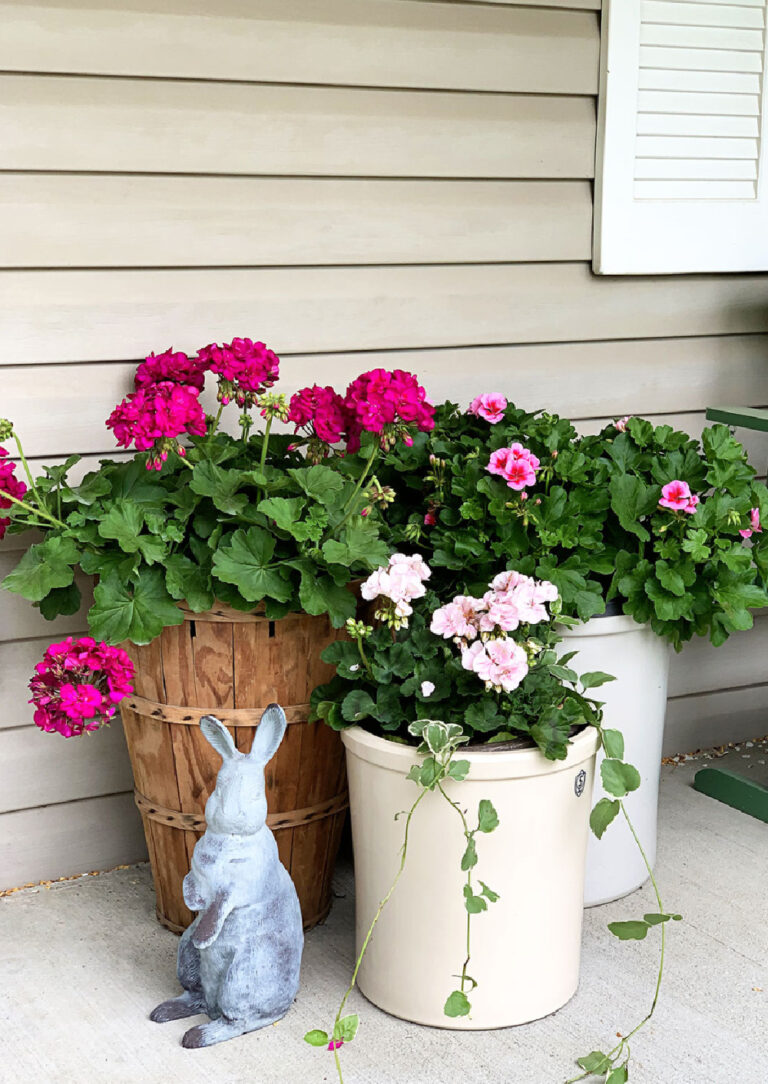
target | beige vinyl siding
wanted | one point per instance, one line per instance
(404, 183)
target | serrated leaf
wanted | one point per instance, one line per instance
(61, 601)
(319, 595)
(221, 485)
(357, 705)
(285, 511)
(602, 815)
(123, 523)
(138, 611)
(619, 778)
(187, 580)
(457, 1004)
(244, 562)
(44, 567)
(633, 930)
(320, 483)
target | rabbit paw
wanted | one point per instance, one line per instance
(177, 1008)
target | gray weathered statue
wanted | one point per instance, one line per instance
(239, 960)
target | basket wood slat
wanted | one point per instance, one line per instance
(233, 664)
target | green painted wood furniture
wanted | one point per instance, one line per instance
(731, 788)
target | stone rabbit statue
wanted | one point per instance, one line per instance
(239, 960)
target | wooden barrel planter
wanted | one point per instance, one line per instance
(232, 664)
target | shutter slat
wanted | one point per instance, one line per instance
(727, 82)
(718, 169)
(668, 101)
(654, 146)
(692, 14)
(681, 59)
(690, 124)
(689, 190)
(701, 37)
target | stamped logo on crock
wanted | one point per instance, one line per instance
(579, 783)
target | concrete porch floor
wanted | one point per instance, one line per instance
(84, 962)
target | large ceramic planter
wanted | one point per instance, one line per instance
(232, 665)
(526, 947)
(636, 705)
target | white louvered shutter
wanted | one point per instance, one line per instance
(682, 176)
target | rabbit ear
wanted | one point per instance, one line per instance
(218, 736)
(269, 734)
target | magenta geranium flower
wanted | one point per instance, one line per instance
(386, 403)
(9, 484)
(677, 496)
(322, 410)
(153, 417)
(245, 369)
(77, 685)
(177, 368)
(490, 406)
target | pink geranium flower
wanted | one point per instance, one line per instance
(756, 528)
(490, 406)
(321, 410)
(621, 424)
(386, 402)
(516, 465)
(457, 620)
(501, 664)
(677, 496)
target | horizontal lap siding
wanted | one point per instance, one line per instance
(404, 183)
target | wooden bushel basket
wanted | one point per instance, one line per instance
(232, 664)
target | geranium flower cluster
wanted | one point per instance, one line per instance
(396, 586)
(490, 406)
(173, 367)
(9, 484)
(155, 416)
(677, 496)
(78, 685)
(382, 402)
(480, 627)
(245, 369)
(516, 465)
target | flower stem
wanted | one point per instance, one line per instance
(376, 917)
(35, 511)
(618, 1050)
(350, 503)
(265, 443)
(363, 656)
(467, 835)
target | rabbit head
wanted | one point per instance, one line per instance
(238, 805)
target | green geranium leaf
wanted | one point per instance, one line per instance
(94, 485)
(123, 523)
(137, 611)
(221, 485)
(360, 543)
(602, 815)
(317, 1038)
(43, 568)
(695, 544)
(469, 858)
(319, 595)
(244, 562)
(483, 715)
(487, 817)
(457, 1004)
(619, 778)
(320, 483)
(631, 499)
(629, 931)
(61, 601)
(357, 705)
(285, 511)
(187, 580)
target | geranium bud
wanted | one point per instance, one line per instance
(6, 429)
